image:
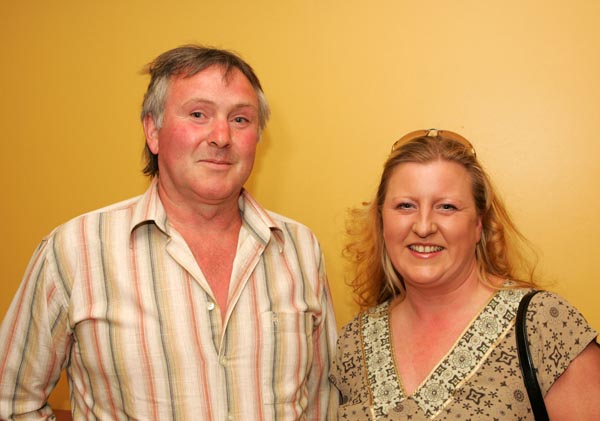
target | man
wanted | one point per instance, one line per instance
(190, 302)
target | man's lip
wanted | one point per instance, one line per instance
(215, 161)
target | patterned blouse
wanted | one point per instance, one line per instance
(479, 378)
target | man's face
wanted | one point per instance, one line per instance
(207, 143)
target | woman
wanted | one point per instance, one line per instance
(440, 277)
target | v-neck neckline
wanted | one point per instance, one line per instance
(462, 360)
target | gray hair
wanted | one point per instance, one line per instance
(187, 61)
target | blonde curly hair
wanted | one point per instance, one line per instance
(502, 253)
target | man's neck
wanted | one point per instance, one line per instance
(198, 217)
(211, 231)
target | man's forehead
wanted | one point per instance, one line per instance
(228, 73)
(200, 87)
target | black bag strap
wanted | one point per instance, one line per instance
(526, 363)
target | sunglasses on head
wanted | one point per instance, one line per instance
(447, 134)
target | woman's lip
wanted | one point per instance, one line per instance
(425, 248)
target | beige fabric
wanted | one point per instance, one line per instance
(479, 378)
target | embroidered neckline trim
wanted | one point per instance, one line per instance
(471, 349)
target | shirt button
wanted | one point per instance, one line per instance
(229, 417)
(210, 306)
(223, 361)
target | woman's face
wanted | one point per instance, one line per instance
(430, 224)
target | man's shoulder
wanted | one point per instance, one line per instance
(121, 211)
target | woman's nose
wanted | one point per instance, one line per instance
(424, 225)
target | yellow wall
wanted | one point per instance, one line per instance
(345, 78)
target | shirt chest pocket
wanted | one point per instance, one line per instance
(286, 354)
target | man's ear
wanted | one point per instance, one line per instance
(151, 133)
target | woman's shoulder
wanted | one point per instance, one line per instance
(558, 323)
(350, 332)
(550, 308)
(558, 333)
(349, 368)
(550, 316)
(352, 328)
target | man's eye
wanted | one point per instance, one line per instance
(241, 120)
(196, 114)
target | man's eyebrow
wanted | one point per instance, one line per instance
(193, 101)
(245, 105)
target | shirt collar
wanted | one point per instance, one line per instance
(259, 221)
(149, 209)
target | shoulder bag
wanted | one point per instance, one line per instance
(526, 363)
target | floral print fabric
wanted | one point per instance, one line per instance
(479, 378)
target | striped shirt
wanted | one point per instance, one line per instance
(116, 297)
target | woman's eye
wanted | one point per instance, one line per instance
(448, 206)
(404, 205)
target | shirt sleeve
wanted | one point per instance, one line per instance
(557, 333)
(34, 338)
(323, 398)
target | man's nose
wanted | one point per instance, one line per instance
(221, 134)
